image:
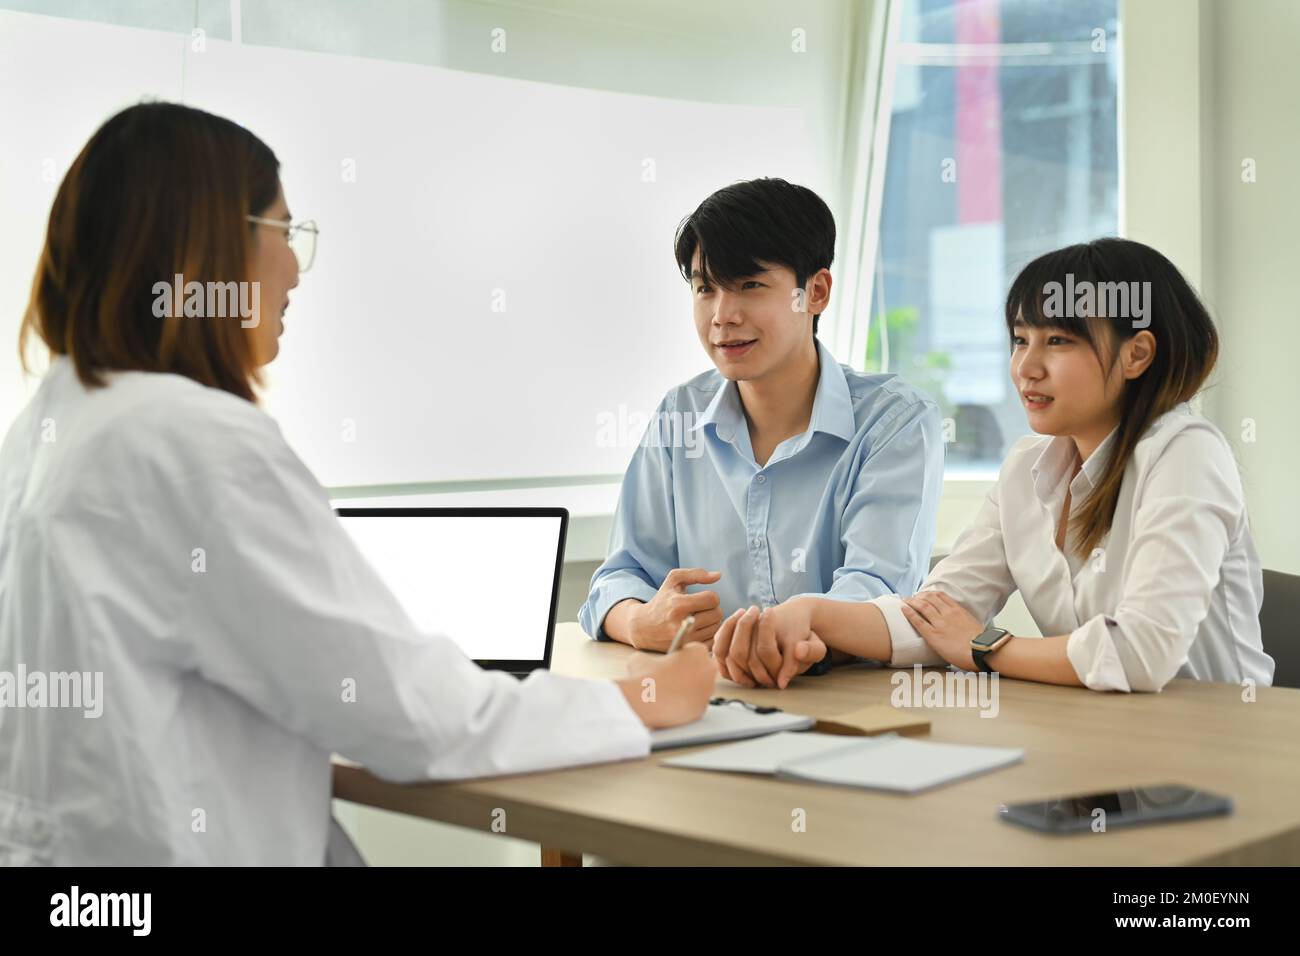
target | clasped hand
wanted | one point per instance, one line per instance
(767, 647)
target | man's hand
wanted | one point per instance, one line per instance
(653, 625)
(768, 647)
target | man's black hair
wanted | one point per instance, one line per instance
(746, 224)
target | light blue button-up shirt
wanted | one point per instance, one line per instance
(846, 509)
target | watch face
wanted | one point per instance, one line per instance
(989, 637)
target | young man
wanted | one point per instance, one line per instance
(800, 475)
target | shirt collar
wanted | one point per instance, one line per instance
(832, 411)
(833, 407)
(1058, 457)
(1093, 467)
(724, 412)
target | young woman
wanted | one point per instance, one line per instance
(158, 536)
(1123, 526)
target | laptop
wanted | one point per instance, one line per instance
(487, 578)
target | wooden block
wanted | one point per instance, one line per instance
(874, 719)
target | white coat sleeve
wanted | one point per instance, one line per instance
(289, 616)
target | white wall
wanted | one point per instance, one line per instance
(1257, 258)
(1207, 85)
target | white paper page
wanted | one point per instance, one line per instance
(896, 763)
(762, 755)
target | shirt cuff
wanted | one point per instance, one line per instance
(1095, 658)
(602, 600)
(907, 646)
(828, 596)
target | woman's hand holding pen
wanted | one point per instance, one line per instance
(672, 689)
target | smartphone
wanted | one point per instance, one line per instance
(1117, 808)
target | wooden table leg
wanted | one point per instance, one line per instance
(553, 857)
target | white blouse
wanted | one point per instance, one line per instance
(163, 535)
(1173, 590)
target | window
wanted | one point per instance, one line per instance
(1002, 145)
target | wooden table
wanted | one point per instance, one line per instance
(1076, 741)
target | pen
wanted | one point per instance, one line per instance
(681, 632)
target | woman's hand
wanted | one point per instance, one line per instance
(665, 691)
(945, 625)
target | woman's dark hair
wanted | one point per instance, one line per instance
(760, 220)
(159, 190)
(1186, 349)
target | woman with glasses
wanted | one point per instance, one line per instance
(164, 550)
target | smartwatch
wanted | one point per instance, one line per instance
(984, 645)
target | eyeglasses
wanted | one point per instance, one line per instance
(302, 237)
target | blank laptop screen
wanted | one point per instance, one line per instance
(485, 581)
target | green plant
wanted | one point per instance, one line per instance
(926, 370)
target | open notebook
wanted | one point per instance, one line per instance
(888, 762)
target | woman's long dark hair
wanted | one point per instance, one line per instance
(1187, 345)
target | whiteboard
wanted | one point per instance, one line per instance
(494, 277)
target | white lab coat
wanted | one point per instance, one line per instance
(1174, 590)
(164, 534)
